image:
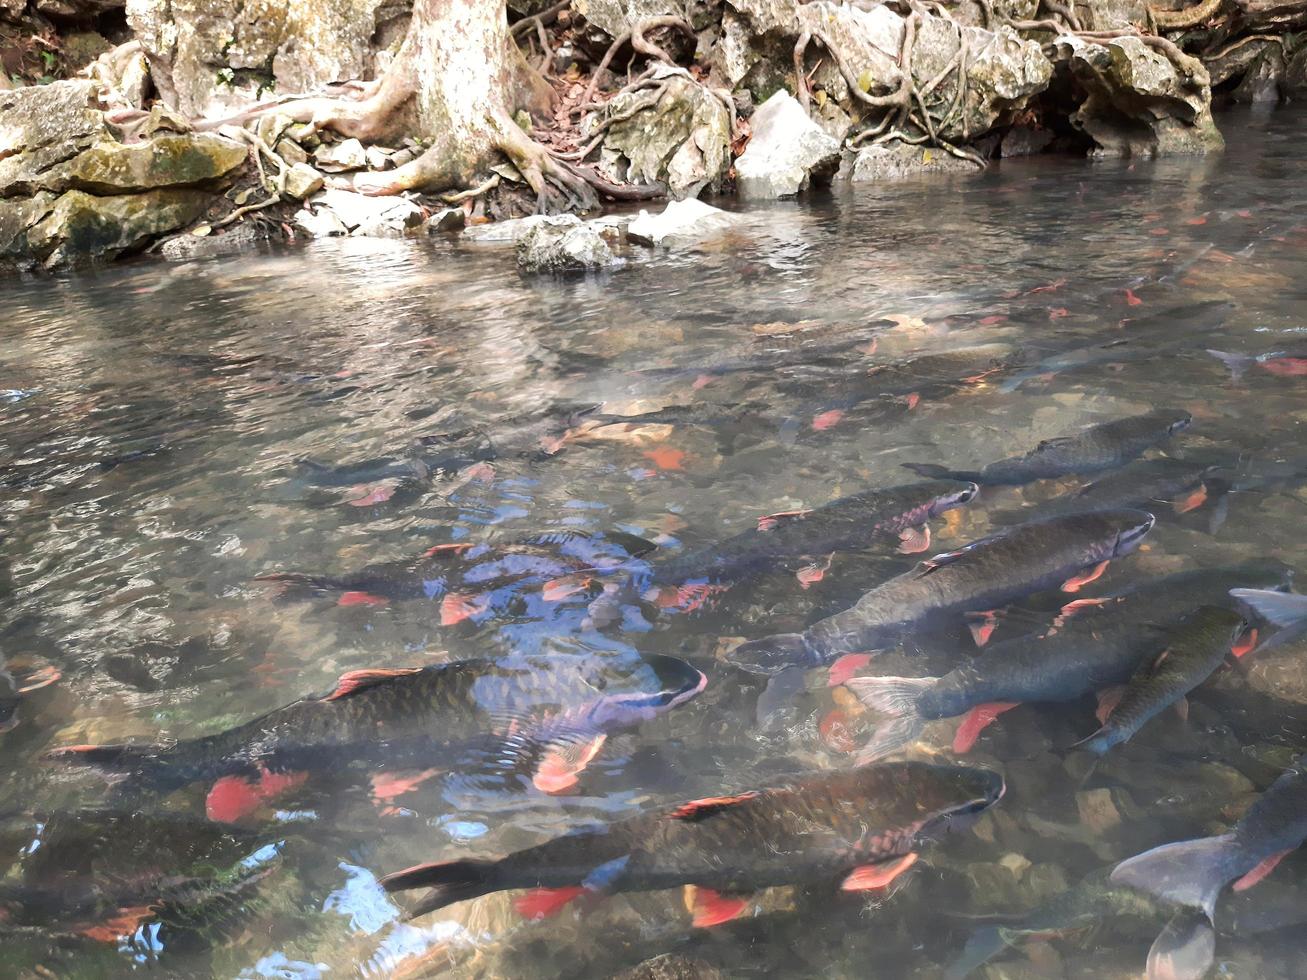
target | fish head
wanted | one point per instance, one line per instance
(1175, 419)
(1132, 526)
(947, 494)
(954, 796)
(1263, 573)
(678, 682)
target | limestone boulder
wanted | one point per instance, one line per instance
(44, 125)
(1295, 75)
(208, 55)
(80, 226)
(679, 135)
(678, 223)
(361, 215)
(785, 149)
(1139, 103)
(563, 244)
(895, 160)
(167, 160)
(615, 17)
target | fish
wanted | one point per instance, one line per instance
(1286, 610)
(1092, 645)
(1193, 873)
(860, 827)
(1199, 644)
(1100, 447)
(1143, 483)
(894, 515)
(1281, 363)
(828, 354)
(464, 574)
(981, 576)
(392, 718)
(1138, 339)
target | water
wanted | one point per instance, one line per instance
(153, 416)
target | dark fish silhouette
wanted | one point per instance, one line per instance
(860, 827)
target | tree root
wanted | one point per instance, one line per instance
(1189, 17)
(638, 41)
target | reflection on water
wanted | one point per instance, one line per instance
(168, 433)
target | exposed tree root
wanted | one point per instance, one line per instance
(1189, 17)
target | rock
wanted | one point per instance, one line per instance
(867, 41)
(671, 966)
(1263, 79)
(80, 48)
(680, 220)
(895, 160)
(1295, 75)
(503, 231)
(80, 225)
(1110, 15)
(238, 238)
(339, 157)
(562, 244)
(1097, 810)
(206, 55)
(134, 85)
(10, 10)
(167, 160)
(322, 223)
(1138, 103)
(78, 10)
(376, 217)
(615, 17)
(378, 158)
(682, 140)
(785, 148)
(1024, 141)
(290, 151)
(45, 125)
(302, 180)
(449, 219)
(16, 216)
(1235, 61)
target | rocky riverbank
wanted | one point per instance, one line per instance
(760, 98)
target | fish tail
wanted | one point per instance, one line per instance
(451, 881)
(1237, 363)
(897, 698)
(1287, 610)
(933, 472)
(774, 653)
(300, 578)
(1185, 948)
(145, 766)
(1190, 872)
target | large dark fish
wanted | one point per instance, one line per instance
(981, 576)
(1099, 447)
(1137, 339)
(861, 827)
(469, 579)
(893, 515)
(825, 354)
(400, 718)
(1194, 872)
(1143, 483)
(1092, 645)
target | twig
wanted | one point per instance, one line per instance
(603, 66)
(546, 16)
(489, 184)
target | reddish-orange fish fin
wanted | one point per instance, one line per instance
(1131, 299)
(361, 599)
(699, 809)
(1246, 643)
(914, 540)
(871, 876)
(1286, 367)
(711, 908)
(982, 624)
(234, 797)
(827, 420)
(39, 679)
(769, 521)
(123, 922)
(388, 785)
(447, 550)
(1191, 501)
(543, 903)
(845, 667)
(977, 720)
(912, 399)
(1076, 582)
(456, 607)
(835, 731)
(1260, 872)
(360, 680)
(1182, 708)
(563, 762)
(810, 574)
(560, 588)
(1108, 699)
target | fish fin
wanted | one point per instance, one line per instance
(914, 540)
(880, 875)
(1075, 607)
(1076, 582)
(1263, 868)
(388, 785)
(1191, 872)
(544, 903)
(456, 607)
(846, 667)
(123, 922)
(982, 623)
(696, 810)
(934, 472)
(1182, 708)
(357, 598)
(360, 680)
(568, 585)
(450, 881)
(1108, 699)
(38, 679)
(1184, 950)
(115, 758)
(1237, 363)
(564, 759)
(1245, 644)
(811, 574)
(896, 698)
(711, 908)
(233, 798)
(773, 653)
(976, 721)
(1280, 608)
(769, 522)
(827, 420)
(448, 550)
(1191, 501)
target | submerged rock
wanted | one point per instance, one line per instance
(562, 244)
(679, 135)
(679, 221)
(785, 149)
(1139, 103)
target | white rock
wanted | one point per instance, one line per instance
(338, 157)
(563, 246)
(375, 214)
(512, 229)
(786, 146)
(302, 180)
(320, 224)
(449, 219)
(684, 220)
